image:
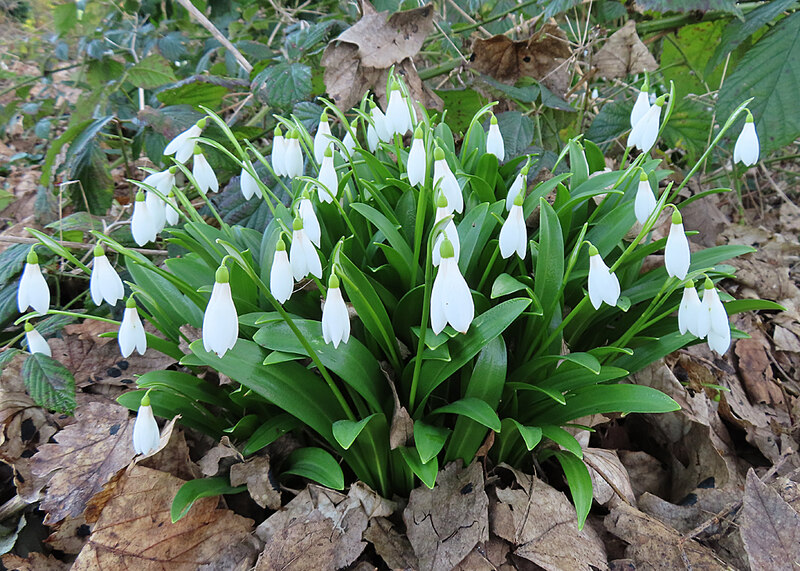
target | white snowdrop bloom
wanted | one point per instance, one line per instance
(645, 201)
(644, 134)
(640, 107)
(516, 187)
(380, 124)
(146, 435)
(451, 300)
(171, 214)
(162, 181)
(514, 234)
(310, 222)
(335, 318)
(303, 257)
(142, 227)
(36, 343)
(278, 155)
(719, 330)
(372, 138)
(104, 283)
(746, 149)
(677, 255)
(689, 311)
(203, 174)
(280, 275)
(494, 140)
(182, 146)
(417, 159)
(157, 209)
(131, 331)
(322, 139)
(293, 158)
(448, 184)
(33, 291)
(450, 231)
(349, 143)
(248, 183)
(220, 321)
(398, 120)
(603, 284)
(328, 179)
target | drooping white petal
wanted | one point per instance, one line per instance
(515, 189)
(645, 201)
(448, 184)
(417, 162)
(438, 299)
(310, 222)
(248, 184)
(640, 107)
(372, 138)
(182, 146)
(689, 311)
(719, 332)
(142, 227)
(676, 253)
(328, 179)
(204, 175)
(335, 319)
(349, 143)
(514, 234)
(145, 431)
(220, 322)
(162, 181)
(303, 257)
(131, 333)
(37, 343)
(452, 234)
(494, 142)
(322, 140)
(398, 121)
(105, 284)
(293, 158)
(33, 291)
(278, 156)
(280, 277)
(603, 285)
(644, 134)
(746, 150)
(458, 305)
(171, 214)
(156, 208)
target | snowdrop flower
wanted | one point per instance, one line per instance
(644, 134)
(146, 435)
(220, 322)
(142, 227)
(494, 141)
(451, 300)
(349, 143)
(335, 318)
(443, 176)
(182, 146)
(517, 187)
(131, 332)
(377, 130)
(746, 149)
(689, 311)
(645, 201)
(310, 222)
(713, 313)
(33, 291)
(36, 343)
(398, 120)
(293, 157)
(247, 182)
(450, 231)
(278, 155)
(676, 253)
(171, 210)
(303, 256)
(203, 173)
(280, 276)
(642, 103)
(162, 181)
(417, 160)
(104, 284)
(514, 234)
(157, 209)
(322, 139)
(603, 284)
(328, 179)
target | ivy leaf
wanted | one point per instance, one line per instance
(49, 383)
(612, 121)
(152, 71)
(284, 84)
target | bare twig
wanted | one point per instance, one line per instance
(470, 19)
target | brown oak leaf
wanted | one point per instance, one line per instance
(624, 54)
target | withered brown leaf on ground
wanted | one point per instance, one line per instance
(624, 54)
(540, 522)
(755, 369)
(443, 524)
(255, 472)
(393, 547)
(34, 562)
(173, 458)
(86, 456)
(609, 477)
(135, 531)
(219, 456)
(647, 474)
(770, 527)
(69, 535)
(489, 556)
(543, 57)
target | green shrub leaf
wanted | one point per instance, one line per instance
(193, 490)
(49, 383)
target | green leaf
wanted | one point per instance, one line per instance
(688, 128)
(517, 130)
(168, 404)
(550, 263)
(563, 438)
(394, 237)
(769, 72)
(525, 94)
(429, 440)
(579, 482)
(49, 383)
(685, 56)
(461, 105)
(426, 472)
(65, 16)
(283, 84)
(689, 5)
(531, 435)
(478, 410)
(612, 121)
(742, 305)
(186, 385)
(198, 93)
(505, 284)
(86, 165)
(270, 431)
(315, 464)
(152, 71)
(193, 490)
(346, 431)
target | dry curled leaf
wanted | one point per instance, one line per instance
(34, 562)
(444, 523)
(756, 370)
(624, 54)
(543, 57)
(214, 460)
(393, 547)
(610, 479)
(135, 531)
(257, 474)
(86, 455)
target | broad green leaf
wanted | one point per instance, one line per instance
(86, 163)
(769, 72)
(742, 305)
(531, 435)
(579, 482)
(586, 360)
(685, 56)
(612, 121)
(193, 490)
(562, 438)
(186, 385)
(65, 16)
(346, 431)
(283, 84)
(688, 128)
(524, 94)
(578, 164)
(474, 408)
(550, 263)
(270, 431)
(49, 383)
(505, 284)
(315, 464)
(391, 233)
(426, 472)
(152, 71)
(517, 130)
(429, 440)
(461, 105)
(169, 404)
(689, 5)
(198, 93)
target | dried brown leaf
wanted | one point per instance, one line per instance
(173, 458)
(87, 454)
(609, 476)
(755, 369)
(214, 459)
(135, 530)
(488, 556)
(69, 535)
(647, 474)
(393, 547)
(624, 54)
(303, 546)
(255, 472)
(445, 523)
(34, 562)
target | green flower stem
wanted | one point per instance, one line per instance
(419, 226)
(339, 207)
(489, 267)
(58, 249)
(666, 289)
(158, 193)
(426, 309)
(566, 321)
